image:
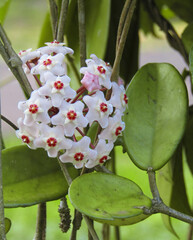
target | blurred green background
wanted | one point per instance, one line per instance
(23, 26)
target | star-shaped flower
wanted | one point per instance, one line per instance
(57, 88)
(103, 149)
(79, 153)
(27, 134)
(70, 116)
(99, 68)
(55, 47)
(114, 129)
(28, 54)
(54, 64)
(35, 109)
(99, 109)
(118, 97)
(90, 81)
(52, 140)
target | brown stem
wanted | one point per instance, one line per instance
(82, 31)
(41, 222)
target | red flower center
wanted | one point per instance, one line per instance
(47, 62)
(22, 51)
(71, 115)
(125, 98)
(51, 142)
(25, 139)
(118, 130)
(33, 108)
(103, 107)
(103, 159)
(55, 42)
(79, 156)
(101, 69)
(58, 85)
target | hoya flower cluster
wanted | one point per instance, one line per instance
(56, 116)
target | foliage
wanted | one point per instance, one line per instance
(158, 120)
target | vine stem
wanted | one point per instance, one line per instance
(62, 20)
(54, 17)
(14, 62)
(157, 204)
(82, 31)
(9, 122)
(129, 8)
(41, 222)
(2, 219)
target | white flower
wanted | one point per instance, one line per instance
(52, 140)
(103, 149)
(35, 109)
(54, 64)
(27, 55)
(70, 116)
(79, 153)
(27, 134)
(99, 109)
(57, 88)
(118, 98)
(55, 47)
(114, 129)
(98, 67)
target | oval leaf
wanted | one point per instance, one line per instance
(7, 225)
(156, 115)
(108, 198)
(4, 5)
(31, 177)
(187, 37)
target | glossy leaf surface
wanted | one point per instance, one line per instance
(187, 37)
(156, 115)
(4, 5)
(31, 177)
(108, 198)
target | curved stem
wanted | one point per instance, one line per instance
(62, 20)
(157, 204)
(9, 122)
(129, 6)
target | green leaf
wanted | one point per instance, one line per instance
(129, 61)
(191, 66)
(108, 198)
(187, 37)
(156, 115)
(7, 225)
(4, 5)
(31, 177)
(46, 31)
(92, 131)
(188, 142)
(183, 9)
(97, 24)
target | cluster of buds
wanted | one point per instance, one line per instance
(58, 118)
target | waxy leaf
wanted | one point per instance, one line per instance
(187, 37)
(188, 141)
(31, 177)
(4, 5)
(156, 115)
(7, 225)
(108, 198)
(46, 31)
